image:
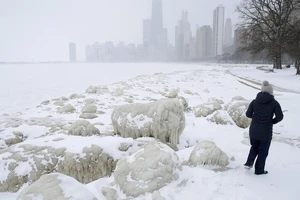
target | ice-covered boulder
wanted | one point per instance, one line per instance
(150, 168)
(84, 158)
(102, 89)
(56, 186)
(220, 117)
(207, 153)
(76, 96)
(163, 119)
(236, 109)
(89, 108)
(88, 116)
(66, 109)
(203, 110)
(83, 128)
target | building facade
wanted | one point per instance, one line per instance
(218, 30)
(204, 42)
(72, 52)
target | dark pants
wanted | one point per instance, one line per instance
(259, 149)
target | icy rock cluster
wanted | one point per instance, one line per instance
(28, 162)
(149, 169)
(102, 89)
(207, 153)
(236, 109)
(163, 119)
(208, 108)
(83, 128)
(66, 109)
(56, 186)
(220, 117)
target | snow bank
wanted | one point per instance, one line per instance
(83, 128)
(66, 109)
(149, 169)
(163, 119)
(207, 153)
(236, 109)
(56, 186)
(203, 110)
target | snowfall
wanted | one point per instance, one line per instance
(63, 137)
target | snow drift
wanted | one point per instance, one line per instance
(56, 186)
(163, 119)
(149, 169)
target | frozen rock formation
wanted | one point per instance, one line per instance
(56, 186)
(83, 128)
(102, 89)
(236, 109)
(220, 117)
(208, 108)
(149, 169)
(66, 109)
(89, 108)
(163, 119)
(26, 163)
(88, 116)
(207, 153)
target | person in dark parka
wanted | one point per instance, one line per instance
(262, 111)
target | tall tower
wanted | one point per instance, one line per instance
(204, 42)
(228, 40)
(157, 21)
(72, 52)
(218, 30)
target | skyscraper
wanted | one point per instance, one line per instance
(204, 42)
(156, 21)
(228, 40)
(72, 52)
(183, 37)
(147, 31)
(218, 30)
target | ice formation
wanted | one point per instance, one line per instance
(89, 108)
(83, 128)
(207, 153)
(102, 89)
(208, 108)
(56, 187)
(163, 119)
(66, 109)
(220, 117)
(28, 162)
(236, 109)
(149, 169)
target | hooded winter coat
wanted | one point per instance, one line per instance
(262, 111)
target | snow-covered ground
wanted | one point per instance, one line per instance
(31, 98)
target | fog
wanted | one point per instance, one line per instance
(40, 30)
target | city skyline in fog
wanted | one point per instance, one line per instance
(42, 30)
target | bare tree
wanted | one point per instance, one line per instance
(266, 25)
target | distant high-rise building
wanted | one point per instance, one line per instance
(204, 42)
(156, 21)
(183, 37)
(72, 52)
(228, 40)
(218, 30)
(147, 23)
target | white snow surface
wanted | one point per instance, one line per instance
(24, 87)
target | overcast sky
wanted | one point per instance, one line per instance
(40, 30)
